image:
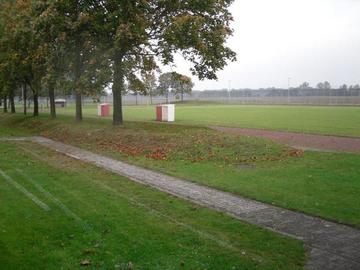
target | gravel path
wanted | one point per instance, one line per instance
(300, 140)
(330, 245)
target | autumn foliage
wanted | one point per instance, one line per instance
(84, 46)
(174, 143)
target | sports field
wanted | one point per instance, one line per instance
(328, 120)
(69, 214)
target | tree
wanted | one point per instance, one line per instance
(5, 104)
(136, 86)
(324, 85)
(12, 56)
(23, 63)
(72, 27)
(320, 85)
(24, 98)
(343, 87)
(182, 84)
(150, 85)
(2, 58)
(141, 33)
(304, 85)
(176, 83)
(327, 85)
(166, 84)
(48, 31)
(9, 61)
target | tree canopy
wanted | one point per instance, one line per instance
(91, 44)
(174, 82)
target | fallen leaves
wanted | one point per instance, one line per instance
(167, 143)
(129, 150)
(158, 154)
(296, 153)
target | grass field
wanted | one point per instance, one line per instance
(321, 184)
(334, 120)
(57, 213)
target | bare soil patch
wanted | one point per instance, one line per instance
(300, 140)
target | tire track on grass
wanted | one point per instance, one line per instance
(86, 226)
(51, 197)
(27, 193)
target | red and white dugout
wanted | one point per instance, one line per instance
(165, 113)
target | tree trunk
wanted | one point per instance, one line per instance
(182, 95)
(12, 103)
(151, 101)
(78, 92)
(24, 98)
(117, 88)
(78, 104)
(52, 101)
(36, 105)
(5, 104)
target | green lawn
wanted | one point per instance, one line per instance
(57, 213)
(334, 120)
(321, 184)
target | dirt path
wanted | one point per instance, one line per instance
(330, 245)
(300, 140)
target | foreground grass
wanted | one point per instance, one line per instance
(333, 120)
(321, 184)
(108, 222)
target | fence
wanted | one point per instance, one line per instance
(330, 97)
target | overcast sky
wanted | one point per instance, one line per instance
(306, 40)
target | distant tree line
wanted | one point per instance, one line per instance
(83, 47)
(303, 90)
(327, 86)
